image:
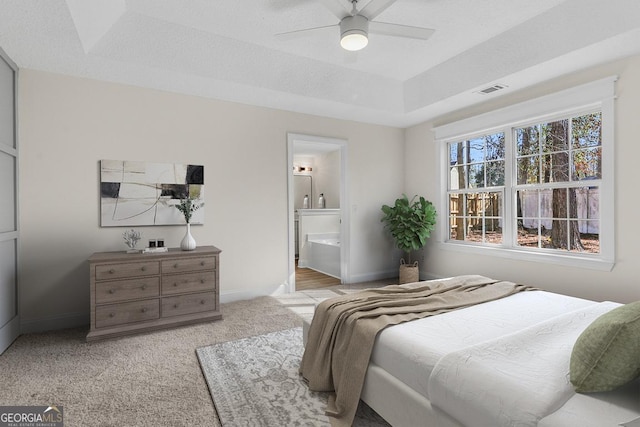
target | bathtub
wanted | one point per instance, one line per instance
(324, 253)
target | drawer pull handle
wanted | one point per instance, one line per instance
(112, 291)
(175, 305)
(144, 309)
(144, 287)
(201, 262)
(175, 265)
(112, 315)
(202, 280)
(144, 268)
(112, 271)
(201, 301)
(175, 284)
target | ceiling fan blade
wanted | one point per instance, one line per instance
(339, 8)
(375, 8)
(400, 30)
(278, 5)
(303, 32)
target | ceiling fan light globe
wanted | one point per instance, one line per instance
(354, 40)
(354, 32)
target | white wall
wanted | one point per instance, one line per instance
(621, 284)
(68, 124)
(326, 178)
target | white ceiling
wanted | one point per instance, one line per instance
(228, 49)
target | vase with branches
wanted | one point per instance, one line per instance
(188, 206)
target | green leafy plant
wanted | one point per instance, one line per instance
(410, 222)
(188, 206)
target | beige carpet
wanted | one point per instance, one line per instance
(145, 380)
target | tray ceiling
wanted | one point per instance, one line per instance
(228, 49)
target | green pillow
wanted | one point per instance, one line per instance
(607, 353)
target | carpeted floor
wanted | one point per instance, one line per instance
(150, 379)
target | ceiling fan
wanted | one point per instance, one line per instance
(355, 24)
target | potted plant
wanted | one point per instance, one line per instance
(410, 222)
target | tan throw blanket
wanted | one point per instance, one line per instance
(344, 329)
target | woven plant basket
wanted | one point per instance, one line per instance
(409, 273)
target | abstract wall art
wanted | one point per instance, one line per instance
(140, 193)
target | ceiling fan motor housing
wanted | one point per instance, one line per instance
(354, 31)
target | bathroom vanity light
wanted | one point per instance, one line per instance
(302, 169)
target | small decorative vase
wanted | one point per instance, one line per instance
(188, 242)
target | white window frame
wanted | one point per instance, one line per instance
(598, 95)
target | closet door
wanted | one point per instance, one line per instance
(9, 319)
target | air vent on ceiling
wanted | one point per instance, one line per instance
(492, 89)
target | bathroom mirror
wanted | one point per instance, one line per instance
(301, 186)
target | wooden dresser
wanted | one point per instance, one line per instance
(132, 293)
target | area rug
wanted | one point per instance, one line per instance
(255, 382)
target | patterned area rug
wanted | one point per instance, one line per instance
(255, 382)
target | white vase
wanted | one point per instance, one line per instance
(188, 242)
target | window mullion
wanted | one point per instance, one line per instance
(509, 193)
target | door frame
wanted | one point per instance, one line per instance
(11, 329)
(292, 138)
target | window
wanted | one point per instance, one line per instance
(476, 188)
(540, 188)
(558, 174)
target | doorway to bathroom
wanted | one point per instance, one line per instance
(318, 218)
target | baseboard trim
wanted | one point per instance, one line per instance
(370, 277)
(64, 321)
(226, 297)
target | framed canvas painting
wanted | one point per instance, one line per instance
(139, 193)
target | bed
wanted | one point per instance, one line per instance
(498, 363)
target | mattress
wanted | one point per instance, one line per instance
(410, 351)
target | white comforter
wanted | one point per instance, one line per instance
(411, 350)
(513, 380)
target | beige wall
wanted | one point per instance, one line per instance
(622, 283)
(327, 179)
(68, 124)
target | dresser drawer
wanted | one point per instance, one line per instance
(127, 312)
(189, 264)
(126, 270)
(120, 290)
(187, 304)
(192, 282)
